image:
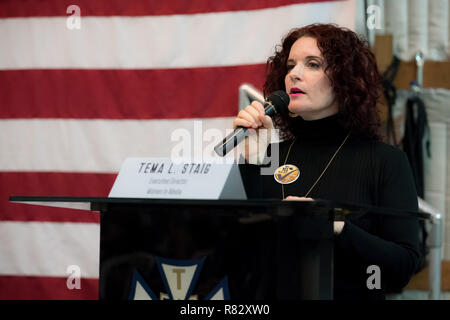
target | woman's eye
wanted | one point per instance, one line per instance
(313, 65)
(289, 67)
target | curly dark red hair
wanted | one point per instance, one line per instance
(351, 69)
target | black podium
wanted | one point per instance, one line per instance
(211, 249)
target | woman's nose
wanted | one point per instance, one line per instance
(294, 77)
(296, 73)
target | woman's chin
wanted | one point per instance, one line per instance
(298, 110)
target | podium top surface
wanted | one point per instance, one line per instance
(170, 202)
(90, 203)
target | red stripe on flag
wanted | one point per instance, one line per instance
(125, 94)
(51, 184)
(46, 288)
(33, 8)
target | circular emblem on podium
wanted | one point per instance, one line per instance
(286, 174)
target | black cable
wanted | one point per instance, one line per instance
(390, 93)
(416, 126)
(415, 129)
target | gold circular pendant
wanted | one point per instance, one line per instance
(286, 174)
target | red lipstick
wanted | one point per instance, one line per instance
(296, 92)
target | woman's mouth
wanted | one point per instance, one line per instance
(296, 92)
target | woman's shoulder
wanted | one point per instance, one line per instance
(381, 151)
(380, 157)
(388, 152)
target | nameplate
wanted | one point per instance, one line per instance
(162, 178)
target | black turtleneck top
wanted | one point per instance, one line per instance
(365, 172)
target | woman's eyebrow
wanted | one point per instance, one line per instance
(314, 57)
(306, 58)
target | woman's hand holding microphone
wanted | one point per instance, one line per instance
(261, 129)
(254, 118)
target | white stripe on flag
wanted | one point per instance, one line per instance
(156, 41)
(47, 249)
(100, 145)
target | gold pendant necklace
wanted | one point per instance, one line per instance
(289, 173)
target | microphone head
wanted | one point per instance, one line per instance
(280, 100)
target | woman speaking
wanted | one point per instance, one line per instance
(331, 150)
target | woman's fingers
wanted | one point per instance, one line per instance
(244, 119)
(258, 107)
(254, 112)
(253, 116)
(294, 198)
(267, 122)
(239, 122)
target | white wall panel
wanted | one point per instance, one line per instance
(417, 28)
(437, 29)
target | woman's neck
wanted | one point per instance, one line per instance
(327, 129)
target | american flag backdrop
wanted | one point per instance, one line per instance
(77, 99)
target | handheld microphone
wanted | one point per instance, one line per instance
(277, 102)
